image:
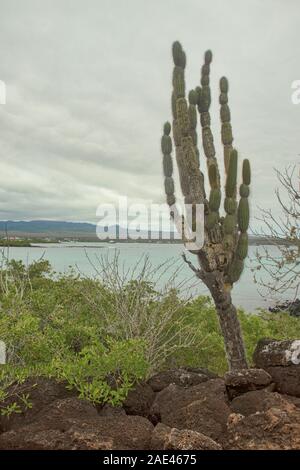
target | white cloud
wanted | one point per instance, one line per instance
(88, 88)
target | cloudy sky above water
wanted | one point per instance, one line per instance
(88, 88)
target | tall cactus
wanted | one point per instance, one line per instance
(221, 258)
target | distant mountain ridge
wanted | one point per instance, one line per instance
(57, 229)
(42, 226)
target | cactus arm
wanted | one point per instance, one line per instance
(212, 206)
(197, 190)
(185, 136)
(178, 92)
(241, 249)
(166, 148)
(234, 267)
(243, 212)
(226, 129)
(204, 102)
(235, 264)
(230, 206)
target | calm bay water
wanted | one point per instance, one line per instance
(82, 257)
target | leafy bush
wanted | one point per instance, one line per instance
(49, 331)
(104, 374)
(101, 336)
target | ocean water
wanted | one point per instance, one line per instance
(165, 259)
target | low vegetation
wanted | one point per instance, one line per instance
(24, 242)
(14, 243)
(102, 335)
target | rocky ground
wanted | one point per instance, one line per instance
(292, 307)
(182, 409)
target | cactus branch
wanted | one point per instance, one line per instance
(226, 129)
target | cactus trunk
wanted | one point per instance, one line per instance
(231, 329)
(228, 320)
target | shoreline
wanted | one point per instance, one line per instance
(102, 243)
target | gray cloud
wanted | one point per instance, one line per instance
(88, 87)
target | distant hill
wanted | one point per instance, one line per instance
(56, 229)
(42, 226)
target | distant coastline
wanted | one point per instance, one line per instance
(29, 233)
(32, 241)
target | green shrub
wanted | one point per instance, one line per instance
(103, 336)
(104, 374)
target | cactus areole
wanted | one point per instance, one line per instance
(221, 258)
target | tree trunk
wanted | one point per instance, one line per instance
(229, 323)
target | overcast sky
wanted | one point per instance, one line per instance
(88, 88)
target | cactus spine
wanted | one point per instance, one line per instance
(225, 246)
